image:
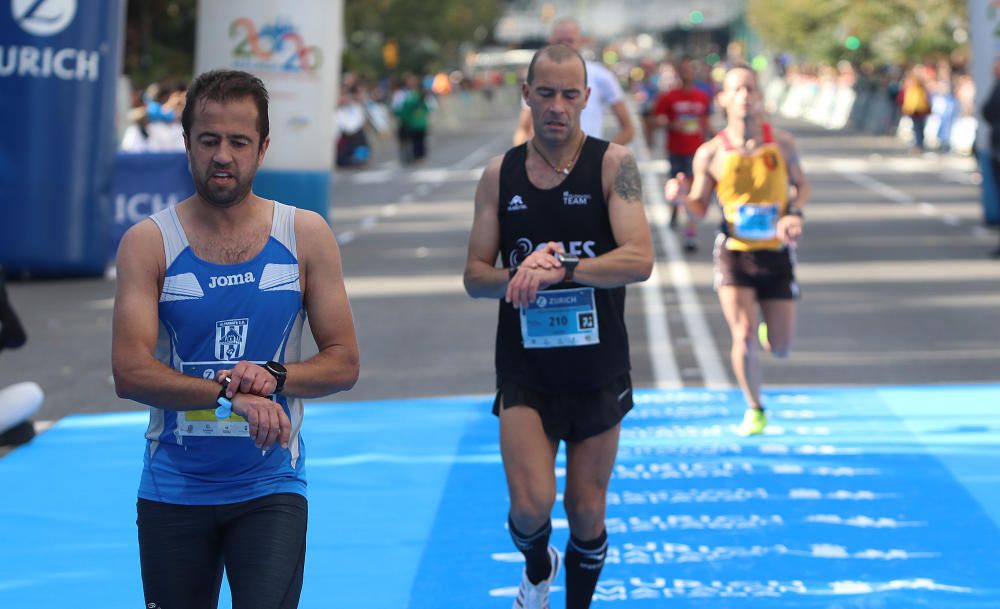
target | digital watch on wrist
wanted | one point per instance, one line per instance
(569, 262)
(279, 372)
(225, 405)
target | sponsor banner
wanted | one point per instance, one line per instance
(295, 49)
(59, 67)
(144, 184)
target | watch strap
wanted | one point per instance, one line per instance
(279, 377)
(225, 405)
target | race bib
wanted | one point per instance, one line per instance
(758, 222)
(689, 124)
(204, 422)
(560, 318)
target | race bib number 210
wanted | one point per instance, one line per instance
(560, 318)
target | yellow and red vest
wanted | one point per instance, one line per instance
(753, 191)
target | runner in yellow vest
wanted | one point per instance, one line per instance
(755, 173)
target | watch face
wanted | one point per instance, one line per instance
(276, 368)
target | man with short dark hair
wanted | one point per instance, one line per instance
(606, 92)
(564, 214)
(211, 300)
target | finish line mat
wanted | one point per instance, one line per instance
(855, 498)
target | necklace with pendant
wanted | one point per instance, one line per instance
(565, 170)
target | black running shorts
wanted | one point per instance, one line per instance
(770, 273)
(570, 416)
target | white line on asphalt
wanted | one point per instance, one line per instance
(484, 152)
(703, 345)
(874, 185)
(665, 372)
(391, 286)
(376, 176)
(898, 196)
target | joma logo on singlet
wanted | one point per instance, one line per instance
(224, 281)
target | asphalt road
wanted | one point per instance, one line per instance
(897, 288)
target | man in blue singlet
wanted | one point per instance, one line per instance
(563, 212)
(211, 300)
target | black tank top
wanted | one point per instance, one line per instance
(575, 214)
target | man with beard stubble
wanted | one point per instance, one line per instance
(211, 299)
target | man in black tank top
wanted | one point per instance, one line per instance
(563, 213)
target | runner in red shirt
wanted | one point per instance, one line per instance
(684, 112)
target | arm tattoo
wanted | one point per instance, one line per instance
(628, 185)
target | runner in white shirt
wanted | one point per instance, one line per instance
(605, 92)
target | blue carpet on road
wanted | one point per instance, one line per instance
(856, 498)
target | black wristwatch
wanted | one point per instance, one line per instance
(569, 262)
(278, 372)
(794, 211)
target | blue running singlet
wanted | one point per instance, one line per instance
(211, 317)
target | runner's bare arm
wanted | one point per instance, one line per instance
(138, 374)
(790, 225)
(626, 129)
(632, 260)
(801, 189)
(336, 366)
(702, 183)
(482, 277)
(525, 129)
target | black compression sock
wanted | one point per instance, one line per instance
(535, 548)
(584, 561)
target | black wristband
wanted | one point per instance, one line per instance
(279, 372)
(794, 211)
(225, 387)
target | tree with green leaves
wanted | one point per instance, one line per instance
(887, 31)
(159, 40)
(428, 33)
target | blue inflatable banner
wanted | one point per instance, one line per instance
(59, 64)
(144, 184)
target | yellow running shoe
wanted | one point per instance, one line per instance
(754, 422)
(762, 336)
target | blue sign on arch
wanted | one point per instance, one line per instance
(59, 64)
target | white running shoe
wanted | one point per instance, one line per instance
(536, 596)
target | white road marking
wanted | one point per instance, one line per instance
(666, 375)
(703, 345)
(875, 186)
